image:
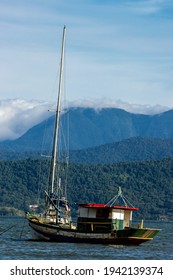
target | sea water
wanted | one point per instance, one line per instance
(16, 244)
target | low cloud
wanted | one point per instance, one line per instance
(17, 115)
(98, 104)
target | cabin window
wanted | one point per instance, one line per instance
(87, 212)
(102, 213)
(118, 214)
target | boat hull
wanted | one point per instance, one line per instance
(54, 233)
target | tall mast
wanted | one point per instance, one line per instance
(57, 117)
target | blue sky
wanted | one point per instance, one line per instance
(118, 53)
(120, 50)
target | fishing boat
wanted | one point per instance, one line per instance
(109, 223)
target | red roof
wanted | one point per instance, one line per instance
(96, 205)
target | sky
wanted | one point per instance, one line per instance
(118, 53)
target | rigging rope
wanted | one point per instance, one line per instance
(126, 202)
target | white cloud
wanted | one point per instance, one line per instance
(149, 6)
(17, 116)
(99, 104)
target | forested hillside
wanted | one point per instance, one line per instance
(137, 148)
(147, 184)
(133, 149)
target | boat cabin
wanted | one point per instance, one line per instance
(101, 218)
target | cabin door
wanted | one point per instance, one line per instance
(127, 215)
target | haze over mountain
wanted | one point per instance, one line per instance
(91, 128)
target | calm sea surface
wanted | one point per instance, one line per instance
(15, 244)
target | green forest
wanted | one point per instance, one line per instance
(147, 185)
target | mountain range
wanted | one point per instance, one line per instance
(122, 131)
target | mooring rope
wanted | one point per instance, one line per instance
(7, 229)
